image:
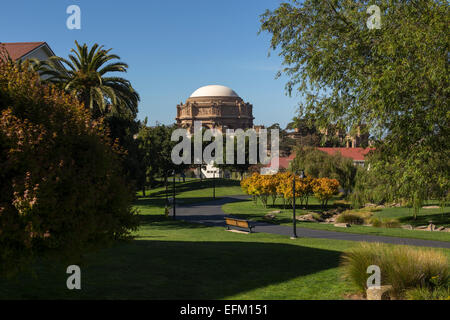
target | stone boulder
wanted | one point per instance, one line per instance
(269, 216)
(309, 217)
(370, 205)
(407, 227)
(331, 219)
(342, 225)
(379, 293)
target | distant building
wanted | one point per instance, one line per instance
(218, 107)
(358, 156)
(355, 139)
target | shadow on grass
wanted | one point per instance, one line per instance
(176, 270)
(437, 219)
(163, 222)
(192, 186)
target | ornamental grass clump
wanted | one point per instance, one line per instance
(402, 267)
(384, 222)
(351, 218)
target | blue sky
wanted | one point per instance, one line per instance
(172, 47)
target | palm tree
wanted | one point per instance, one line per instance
(86, 74)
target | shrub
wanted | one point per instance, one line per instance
(62, 188)
(428, 294)
(402, 267)
(350, 217)
(385, 222)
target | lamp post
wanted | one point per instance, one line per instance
(174, 199)
(214, 184)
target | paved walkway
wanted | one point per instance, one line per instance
(210, 213)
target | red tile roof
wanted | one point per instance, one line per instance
(17, 50)
(357, 154)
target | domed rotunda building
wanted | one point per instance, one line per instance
(217, 107)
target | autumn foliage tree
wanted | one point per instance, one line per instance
(280, 185)
(62, 189)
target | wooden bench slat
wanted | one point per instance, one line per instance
(238, 223)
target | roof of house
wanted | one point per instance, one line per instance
(356, 154)
(17, 50)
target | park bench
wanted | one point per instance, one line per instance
(240, 223)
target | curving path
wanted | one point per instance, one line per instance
(210, 213)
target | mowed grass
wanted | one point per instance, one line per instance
(247, 209)
(191, 191)
(177, 260)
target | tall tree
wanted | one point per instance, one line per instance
(87, 73)
(395, 78)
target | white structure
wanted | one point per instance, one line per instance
(214, 91)
(211, 171)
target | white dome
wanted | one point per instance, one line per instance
(214, 91)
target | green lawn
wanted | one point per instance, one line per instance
(248, 210)
(176, 260)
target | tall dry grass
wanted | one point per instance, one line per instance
(402, 267)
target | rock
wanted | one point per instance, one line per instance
(276, 211)
(308, 217)
(269, 216)
(421, 227)
(379, 293)
(430, 227)
(395, 205)
(331, 220)
(342, 225)
(440, 228)
(430, 207)
(369, 205)
(407, 226)
(446, 230)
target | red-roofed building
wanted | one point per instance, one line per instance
(28, 50)
(358, 155)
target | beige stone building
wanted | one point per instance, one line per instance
(218, 107)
